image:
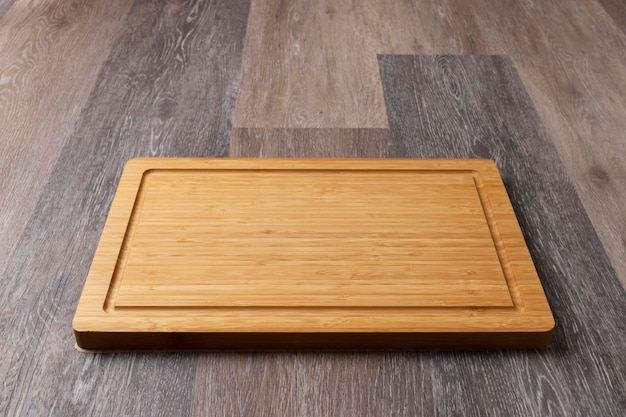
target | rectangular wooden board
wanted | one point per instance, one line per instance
(311, 253)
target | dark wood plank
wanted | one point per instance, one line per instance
(44, 374)
(4, 6)
(309, 143)
(617, 10)
(167, 88)
(476, 106)
(35, 291)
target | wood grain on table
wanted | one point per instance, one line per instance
(616, 10)
(42, 48)
(476, 106)
(84, 86)
(309, 143)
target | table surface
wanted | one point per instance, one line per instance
(537, 87)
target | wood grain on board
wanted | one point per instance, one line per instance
(311, 253)
(309, 143)
(476, 106)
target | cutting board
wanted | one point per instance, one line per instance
(311, 253)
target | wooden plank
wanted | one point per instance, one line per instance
(476, 106)
(148, 102)
(4, 6)
(250, 253)
(167, 87)
(313, 383)
(577, 82)
(38, 344)
(308, 65)
(616, 9)
(246, 384)
(309, 143)
(43, 47)
(35, 341)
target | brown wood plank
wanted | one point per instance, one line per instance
(311, 143)
(476, 106)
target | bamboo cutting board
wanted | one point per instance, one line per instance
(311, 253)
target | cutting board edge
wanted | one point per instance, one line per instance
(93, 342)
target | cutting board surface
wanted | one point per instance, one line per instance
(205, 253)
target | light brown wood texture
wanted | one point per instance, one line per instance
(312, 64)
(42, 48)
(276, 250)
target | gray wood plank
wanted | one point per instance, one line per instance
(4, 6)
(617, 10)
(50, 55)
(42, 372)
(477, 107)
(309, 143)
(167, 89)
(245, 384)
(313, 384)
(364, 384)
